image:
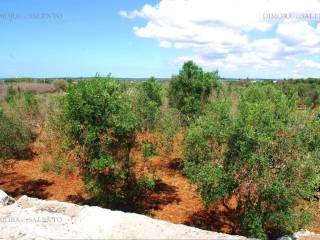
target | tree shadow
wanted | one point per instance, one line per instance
(223, 219)
(26, 154)
(18, 185)
(162, 195)
(218, 219)
(176, 164)
(77, 199)
(33, 188)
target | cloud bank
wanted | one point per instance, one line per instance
(233, 34)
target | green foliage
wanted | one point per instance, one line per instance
(146, 183)
(148, 149)
(18, 110)
(11, 94)
(190, 90)
(149, 101)
(99, 118)
(24, 103)
(265, 153)
(204, 149)
(168, 125)
(59, 165)
(253, 225)
(97, 107)
(31, 103)
(45, 167)
(101, 162)
(14, 136)
(308, 92)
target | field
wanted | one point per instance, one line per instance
(213, 154)
(39, 88)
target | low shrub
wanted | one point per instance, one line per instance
(45, 167)
(98, 117)
(169, 124)
(60, 84)
(265, 153)
(189, 91)
(14, 136)
(308, 93)
(149, 101)
(149, 149)
(59, 165)
(23, 103)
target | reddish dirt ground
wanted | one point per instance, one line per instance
(173, 199)
(25, 178)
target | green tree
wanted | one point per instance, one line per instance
(149, 101)
(189, 91)
(98, 117)
(14, 136)
(18, 113)
(265, 152)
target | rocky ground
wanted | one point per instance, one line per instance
(31, 218)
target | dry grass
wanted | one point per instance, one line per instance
(36, 87)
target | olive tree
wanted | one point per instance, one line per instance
(98, 117)
(149, 101)
(263, 151)
(189, 91)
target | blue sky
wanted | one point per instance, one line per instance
(91, 37)
(142, 38)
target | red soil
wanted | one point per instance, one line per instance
(25, 178)
(174, 199)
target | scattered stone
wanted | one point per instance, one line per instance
(301, 235)
(5, 200)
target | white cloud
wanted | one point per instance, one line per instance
(300, 35)
(165, 44)
(130, 15)
(223, 34)
(308, 64)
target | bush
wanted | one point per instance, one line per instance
(148, 149)
(60, 84)
(59, 165)
(265, 153)
(45, 167)
(14, 136)
(16, 121)
(98, 117)
(149, 101)
(169, 124)
(23, 103)
(307, 92)
(189, 91)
